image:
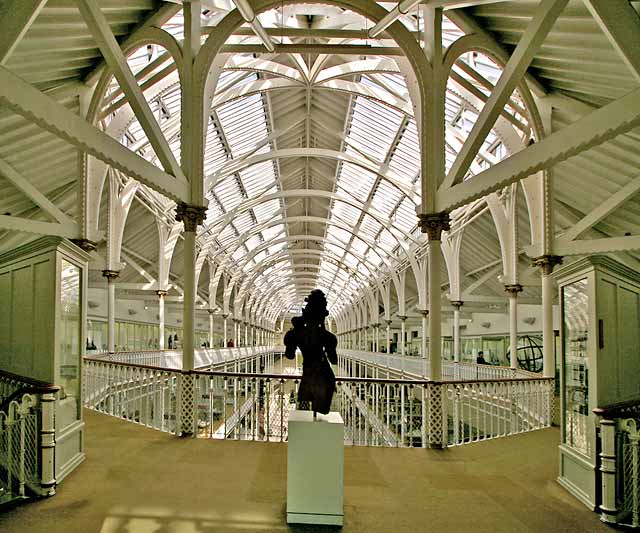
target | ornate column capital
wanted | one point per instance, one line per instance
(433, 224)
(111, 275)
(547, 263)
(225, 315)
(513, 289)
(388, 321)
(375, 325)
(85, 244)
(190, 215)
(210, 311)
(424, 312)
(402, 317)
(162, 293)
(457, 304)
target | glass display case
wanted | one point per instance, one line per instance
(576, 366)
(600, 322)
(43, 290)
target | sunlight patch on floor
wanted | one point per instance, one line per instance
(140, 519)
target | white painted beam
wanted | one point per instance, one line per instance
(156, 19)
(596, 128)
(245, 9)
(52, 116)
(481, 281)
(621, 24)
(110, 49)
(603, 210)
(35, 226)
(514, 70)
(469, 25)
(301, 48)
(16, 17)
(458, 4)
(596, 246)
(21, 183)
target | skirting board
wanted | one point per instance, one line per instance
(310, 518)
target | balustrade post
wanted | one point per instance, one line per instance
(436, 413)
(608, 511)
(631, 427)
(48, 442)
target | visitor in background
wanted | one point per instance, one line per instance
(480, 360)
(230, 343)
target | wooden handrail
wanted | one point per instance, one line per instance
(616, 410)
(41, 387)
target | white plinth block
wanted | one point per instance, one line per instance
(315, 469)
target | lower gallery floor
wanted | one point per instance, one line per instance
(137, 480)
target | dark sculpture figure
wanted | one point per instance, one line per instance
(318, 347)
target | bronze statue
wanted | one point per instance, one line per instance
(318, 347)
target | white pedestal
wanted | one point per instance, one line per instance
(315, 469)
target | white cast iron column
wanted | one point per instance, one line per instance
(456, 330)
(111, 276)
(547, 264)
(513, 291)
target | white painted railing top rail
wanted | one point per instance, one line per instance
(380, 412)
(172, 359)
(416, 367)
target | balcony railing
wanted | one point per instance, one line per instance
(204, 357)
(377, 411)
(417, 366)
(27, 436)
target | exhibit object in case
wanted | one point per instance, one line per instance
(315, 469)
(600, 337)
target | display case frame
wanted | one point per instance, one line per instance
(600, 352)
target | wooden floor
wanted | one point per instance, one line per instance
(137, 480)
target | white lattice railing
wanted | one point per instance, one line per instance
(27, 435)
(19, 445)
(416, 367)
(249, 405)
(203, 358)
(619, 434)
(153, 396)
